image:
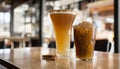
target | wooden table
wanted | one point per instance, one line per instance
(31, 58)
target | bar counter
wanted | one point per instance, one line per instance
(31, 58)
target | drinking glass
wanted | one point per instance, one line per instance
(62, 22)
(84, 38)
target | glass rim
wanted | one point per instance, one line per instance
(84, 22)
(62, 11)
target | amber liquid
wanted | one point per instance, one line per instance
(84, 43)
(62, 22)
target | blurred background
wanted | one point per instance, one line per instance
(23, 25)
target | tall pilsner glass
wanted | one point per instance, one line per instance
(62, 22)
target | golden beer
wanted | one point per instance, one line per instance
(62, 21)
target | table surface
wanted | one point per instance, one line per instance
(31, 58)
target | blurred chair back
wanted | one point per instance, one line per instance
(35, 42)
(2, 44)
(52, 44)
(102, 45)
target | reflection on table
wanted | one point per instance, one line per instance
(31, 58)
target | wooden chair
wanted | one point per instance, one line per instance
(9, 43)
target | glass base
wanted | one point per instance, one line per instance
(79, 59)
(62, 56)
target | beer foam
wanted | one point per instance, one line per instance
(84, 24)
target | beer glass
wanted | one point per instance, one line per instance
(62, 22)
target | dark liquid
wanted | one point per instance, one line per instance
(84, 44)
